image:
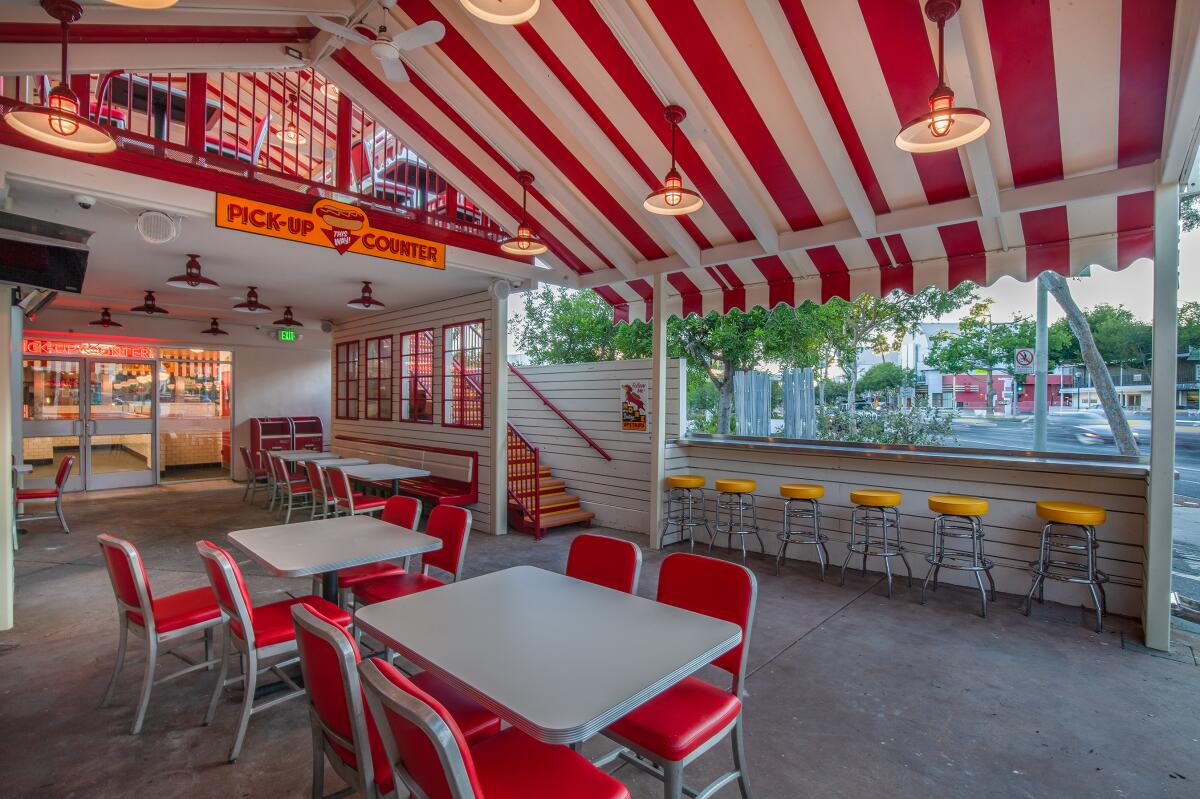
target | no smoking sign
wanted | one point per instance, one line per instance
(1023, 361)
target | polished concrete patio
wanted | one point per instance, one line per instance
(849, 695)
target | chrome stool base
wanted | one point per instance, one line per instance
(789, 536)
(879, 546)
(1046, 568)
(965, 528)
(682, 514)
(728, 503)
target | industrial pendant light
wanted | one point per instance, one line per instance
(945, 126)
(287, 320)
(365, 302)
(290, 133)
(525, 242)
(673, 199)
(58, 121)
(148, 306)
(105, 320)
(191, 278)
(251, 303)
(214, 329)
(503, 12)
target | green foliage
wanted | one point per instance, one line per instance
(886, 376)
(917, 426)
(1120, 337)
(980, 342)
(1189, 213)
(1189, 325)
(566, 326)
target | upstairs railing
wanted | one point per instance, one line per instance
(293, 130)
(524, 479)
(590, 442)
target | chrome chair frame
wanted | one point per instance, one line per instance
(286, 486)
(250, 656)
(876, 546)
(681, 507)
(960, 527)
(1045, 567)
(362, 779)
(335, 474)
(150, 634)
(789, 536)
(58, 498)
(253, 481)
(324, 507)
(729, 502)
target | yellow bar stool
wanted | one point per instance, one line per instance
(802, 501)
(1070, 530)
(876, 515)
(685, 506)
(959, 518)
(736, 496)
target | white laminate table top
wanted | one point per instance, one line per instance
(302, 455)
(305, 548)
(384, 471)
(338, 463)
(556, 657)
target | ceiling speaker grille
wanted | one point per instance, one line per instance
(157, 227)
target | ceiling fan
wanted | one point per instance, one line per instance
(387, 49)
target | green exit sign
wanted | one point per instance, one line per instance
(286, 334)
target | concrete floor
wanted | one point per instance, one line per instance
(849, 695)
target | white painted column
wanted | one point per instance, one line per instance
(499, 409)
(1041, 368)
(1156, 613)
(658, 411)
(10, 349)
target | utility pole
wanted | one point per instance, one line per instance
(1041, 360)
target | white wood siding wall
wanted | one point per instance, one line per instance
(433, 315)
(589, 394)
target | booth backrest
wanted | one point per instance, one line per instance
(454, 473)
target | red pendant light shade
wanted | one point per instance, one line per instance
(365, 302)
(287, 320)
(945, 126)
(191, 278)
(106, 320)
(525, 242)
(673, 199)
(251, 304)
(214, 329)
(58, 121)
(148, 306)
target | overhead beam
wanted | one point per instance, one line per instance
(38, 59)
(1181, 133)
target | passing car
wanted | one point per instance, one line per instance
(1089, 434)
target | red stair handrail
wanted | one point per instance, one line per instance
(561, 415)
(524, 487)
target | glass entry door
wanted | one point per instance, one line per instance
(52, 420)
(119, 424)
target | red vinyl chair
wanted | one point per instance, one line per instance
(292, 490)
(343, 731)
(164, 621)
(47, 494)
(689, 718)
(348, 502)
(603, 560)
(428, 753)
(256, 633)
(256, 476)
(401, 511)
(322, 500)
(452, 525)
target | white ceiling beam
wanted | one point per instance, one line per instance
(773, 26)
(697, 127)
(617, 169)
(1181, 133)
(37, 59)
(1125, 180)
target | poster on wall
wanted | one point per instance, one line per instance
(633, 405)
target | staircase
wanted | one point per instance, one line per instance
(537, 500)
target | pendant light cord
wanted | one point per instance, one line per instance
(63, 25)
(674, 127)
(941, 52)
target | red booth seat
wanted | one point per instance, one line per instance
(454, 473)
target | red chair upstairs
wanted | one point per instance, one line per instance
(348, 502)
(603, 560)
(429, 754)
(401, 511)
(452, 525)
(343, 730)
(163, 621)
(682, 723)
(48, 494)
(256, 475)
(256, 633)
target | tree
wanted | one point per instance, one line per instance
(568, 326)
(719, 346)
(1189, 325)
(981, 344)
(1092, 359)
(1121, 339)
(885, 377)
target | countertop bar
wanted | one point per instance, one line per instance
(1020, 460)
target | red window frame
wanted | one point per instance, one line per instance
(462, 398)
(345, 381)
(416, 349)
(378, 374)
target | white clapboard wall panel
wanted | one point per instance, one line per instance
(589, 394)
(405, 320)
